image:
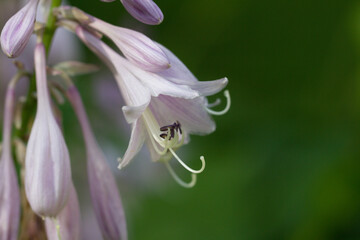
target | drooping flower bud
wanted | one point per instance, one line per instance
(9, 189)
(103, 190)
(145, 11)
(68, 223)
(18, 29)
(47, 163)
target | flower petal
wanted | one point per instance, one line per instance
(191, 114)
(137, 138)
(178, 70)
(133, 113)
(205, 88)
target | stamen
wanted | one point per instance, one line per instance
(178, 180)
(186, 166)
(156, 147)
(228, 103)
(214, 104)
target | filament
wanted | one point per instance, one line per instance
(214, 104)
(180, 181)
(186, 166)
(228, 104)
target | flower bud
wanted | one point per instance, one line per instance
(47, 163)
(18, 29)
(103, 189)
(68, 223)
(9, 189)
(145, 11)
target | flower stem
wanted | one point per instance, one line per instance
(50, 26)
(30, 102)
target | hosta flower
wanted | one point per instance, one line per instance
(18, 29)
(9, 190)
(67, 224)
(103, 190)
(162, 108)
(47, 163)
(136, 47)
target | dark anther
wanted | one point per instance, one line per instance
(175, 127)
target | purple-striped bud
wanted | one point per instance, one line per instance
(136, 47)
(103, 189)
(145, 11)
(18, 29)
(9, 189)
(47, 163)
(68, 223)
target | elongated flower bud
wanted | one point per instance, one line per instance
(68, 223)
(9, 189)
(47, 164)
(145, 11)
(18, 29)
(103, 190)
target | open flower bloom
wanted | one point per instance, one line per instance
(9, 189)
(47, 163)
(18, 29)
(163, 108)
(104, 193)
(136, 47)
(67, 224)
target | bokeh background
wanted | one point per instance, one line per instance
(283, 163)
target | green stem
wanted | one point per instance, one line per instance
(29, 107)
(50, 26)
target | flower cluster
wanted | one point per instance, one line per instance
(164, 104)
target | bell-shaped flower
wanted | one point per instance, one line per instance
(135, 46)
(47, 163)
(145, 11)
(163, 108)
(9, 188)
(18, 29)
(103, 189)
(67, 224)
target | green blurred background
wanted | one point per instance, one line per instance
(284, 162)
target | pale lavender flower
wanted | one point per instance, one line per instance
(67, 224)
(145, 11)
(163, 108)
(47, 163)
(18, 29)
(9, 189)
(136, 47)
(103, 190)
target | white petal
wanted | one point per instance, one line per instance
(177, 69)
(205, 88)
(136, 142)
(133, 113)
(191, 114)
(158, 85)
